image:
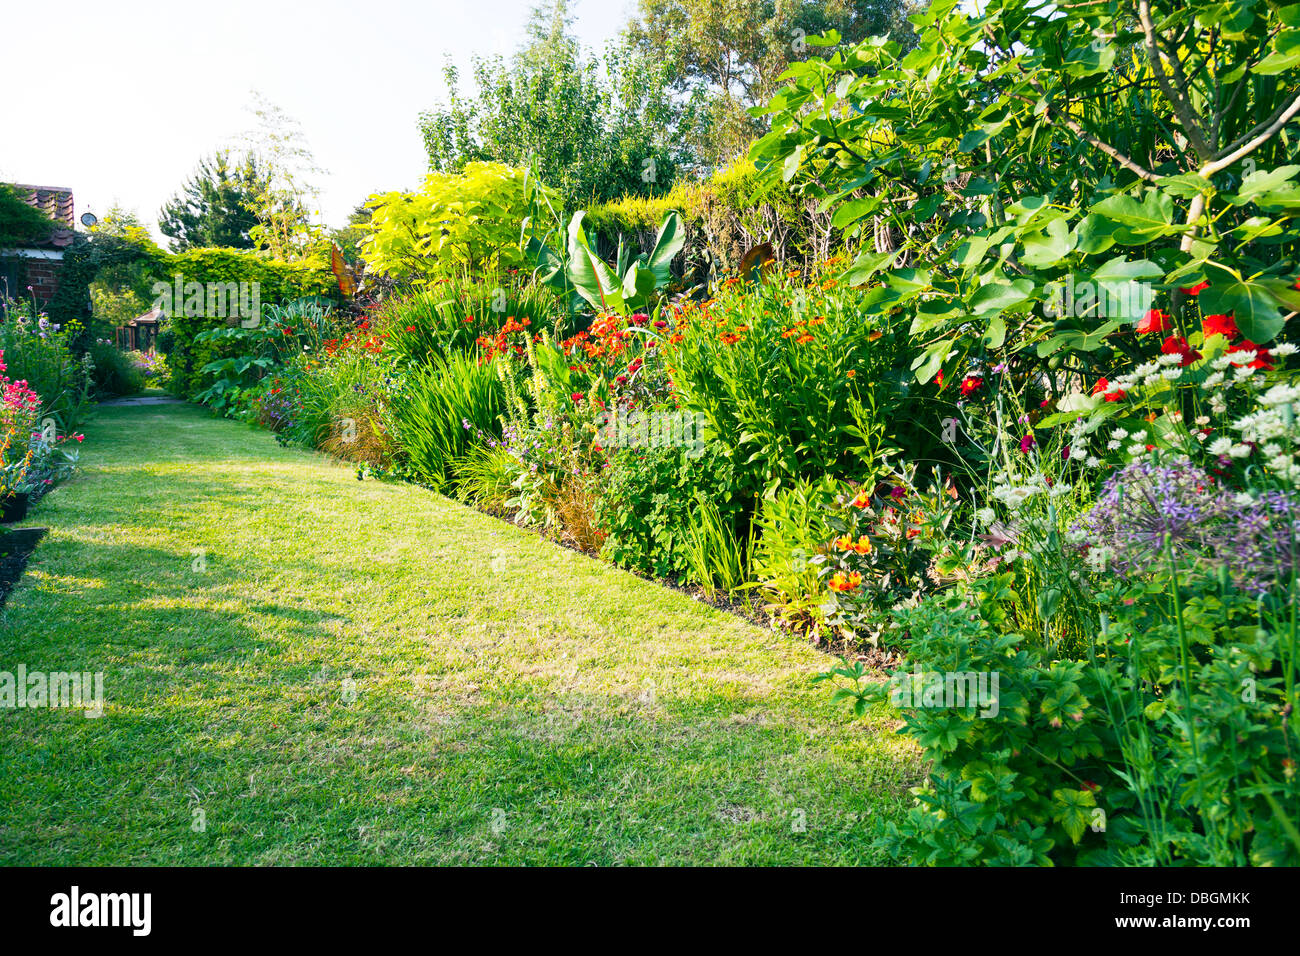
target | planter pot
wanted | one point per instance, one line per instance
(13, 508)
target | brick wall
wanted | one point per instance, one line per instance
(43, 277)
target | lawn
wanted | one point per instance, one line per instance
(303, 668)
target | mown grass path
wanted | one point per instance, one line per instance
(368, 673)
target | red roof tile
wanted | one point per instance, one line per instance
(57, 204)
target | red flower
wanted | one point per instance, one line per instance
(1177, 345)
(410, 328)
(1260, 352)
(970, 384)
(1026, 443)
(938, 379)
(576, 396)
(1196, 289)
(1154, 321)
(1220, 325)
(1103, 389)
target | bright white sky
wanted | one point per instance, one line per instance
(119, 100)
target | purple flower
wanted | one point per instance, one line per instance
(1144, 505)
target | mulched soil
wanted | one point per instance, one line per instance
(16, 546)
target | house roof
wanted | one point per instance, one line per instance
(57, 204)
(152, 317)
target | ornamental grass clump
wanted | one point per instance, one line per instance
(1149, 511)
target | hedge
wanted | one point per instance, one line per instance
(278, 282)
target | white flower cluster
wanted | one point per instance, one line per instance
(1013, 495)
(1272, 429)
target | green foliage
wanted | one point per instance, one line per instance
(1014, 772)
(216, 206)
(593, 129)
(439, 411)
(1168, 745)
(459, 223)
(37, 354)
(1197, 681)
(727, 55)
(453, 315)
(948, 157)
(114, 371)
(128, 254)
(792, 531)
(887, 534)
(21, 224)
(281, 335)
(650, 500)
(485, 475)
(717, 558)
(630, 285)
(725, 216)
(278, 282)
(793, 379)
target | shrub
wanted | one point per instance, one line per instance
(153, 366)
(458, 224)
(652, 497)
(461, 314)
(793, 528)
(284, 334)
(187, 354)
(792, 378)
(115, 372)
(37, 353)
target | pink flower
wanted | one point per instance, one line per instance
(1026, 443)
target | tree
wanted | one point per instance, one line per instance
(730, 54)
(120, 289)
(1118, 157)
(216, 206)
(286, 192)
(593, 128)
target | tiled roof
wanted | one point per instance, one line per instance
(56, 203)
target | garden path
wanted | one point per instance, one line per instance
(303, 668)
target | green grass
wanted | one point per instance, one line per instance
(515, 702)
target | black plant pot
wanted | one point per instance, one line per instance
(13, 508)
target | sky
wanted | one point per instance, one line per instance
(119, 101)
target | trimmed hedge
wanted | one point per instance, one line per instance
(278, 282)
